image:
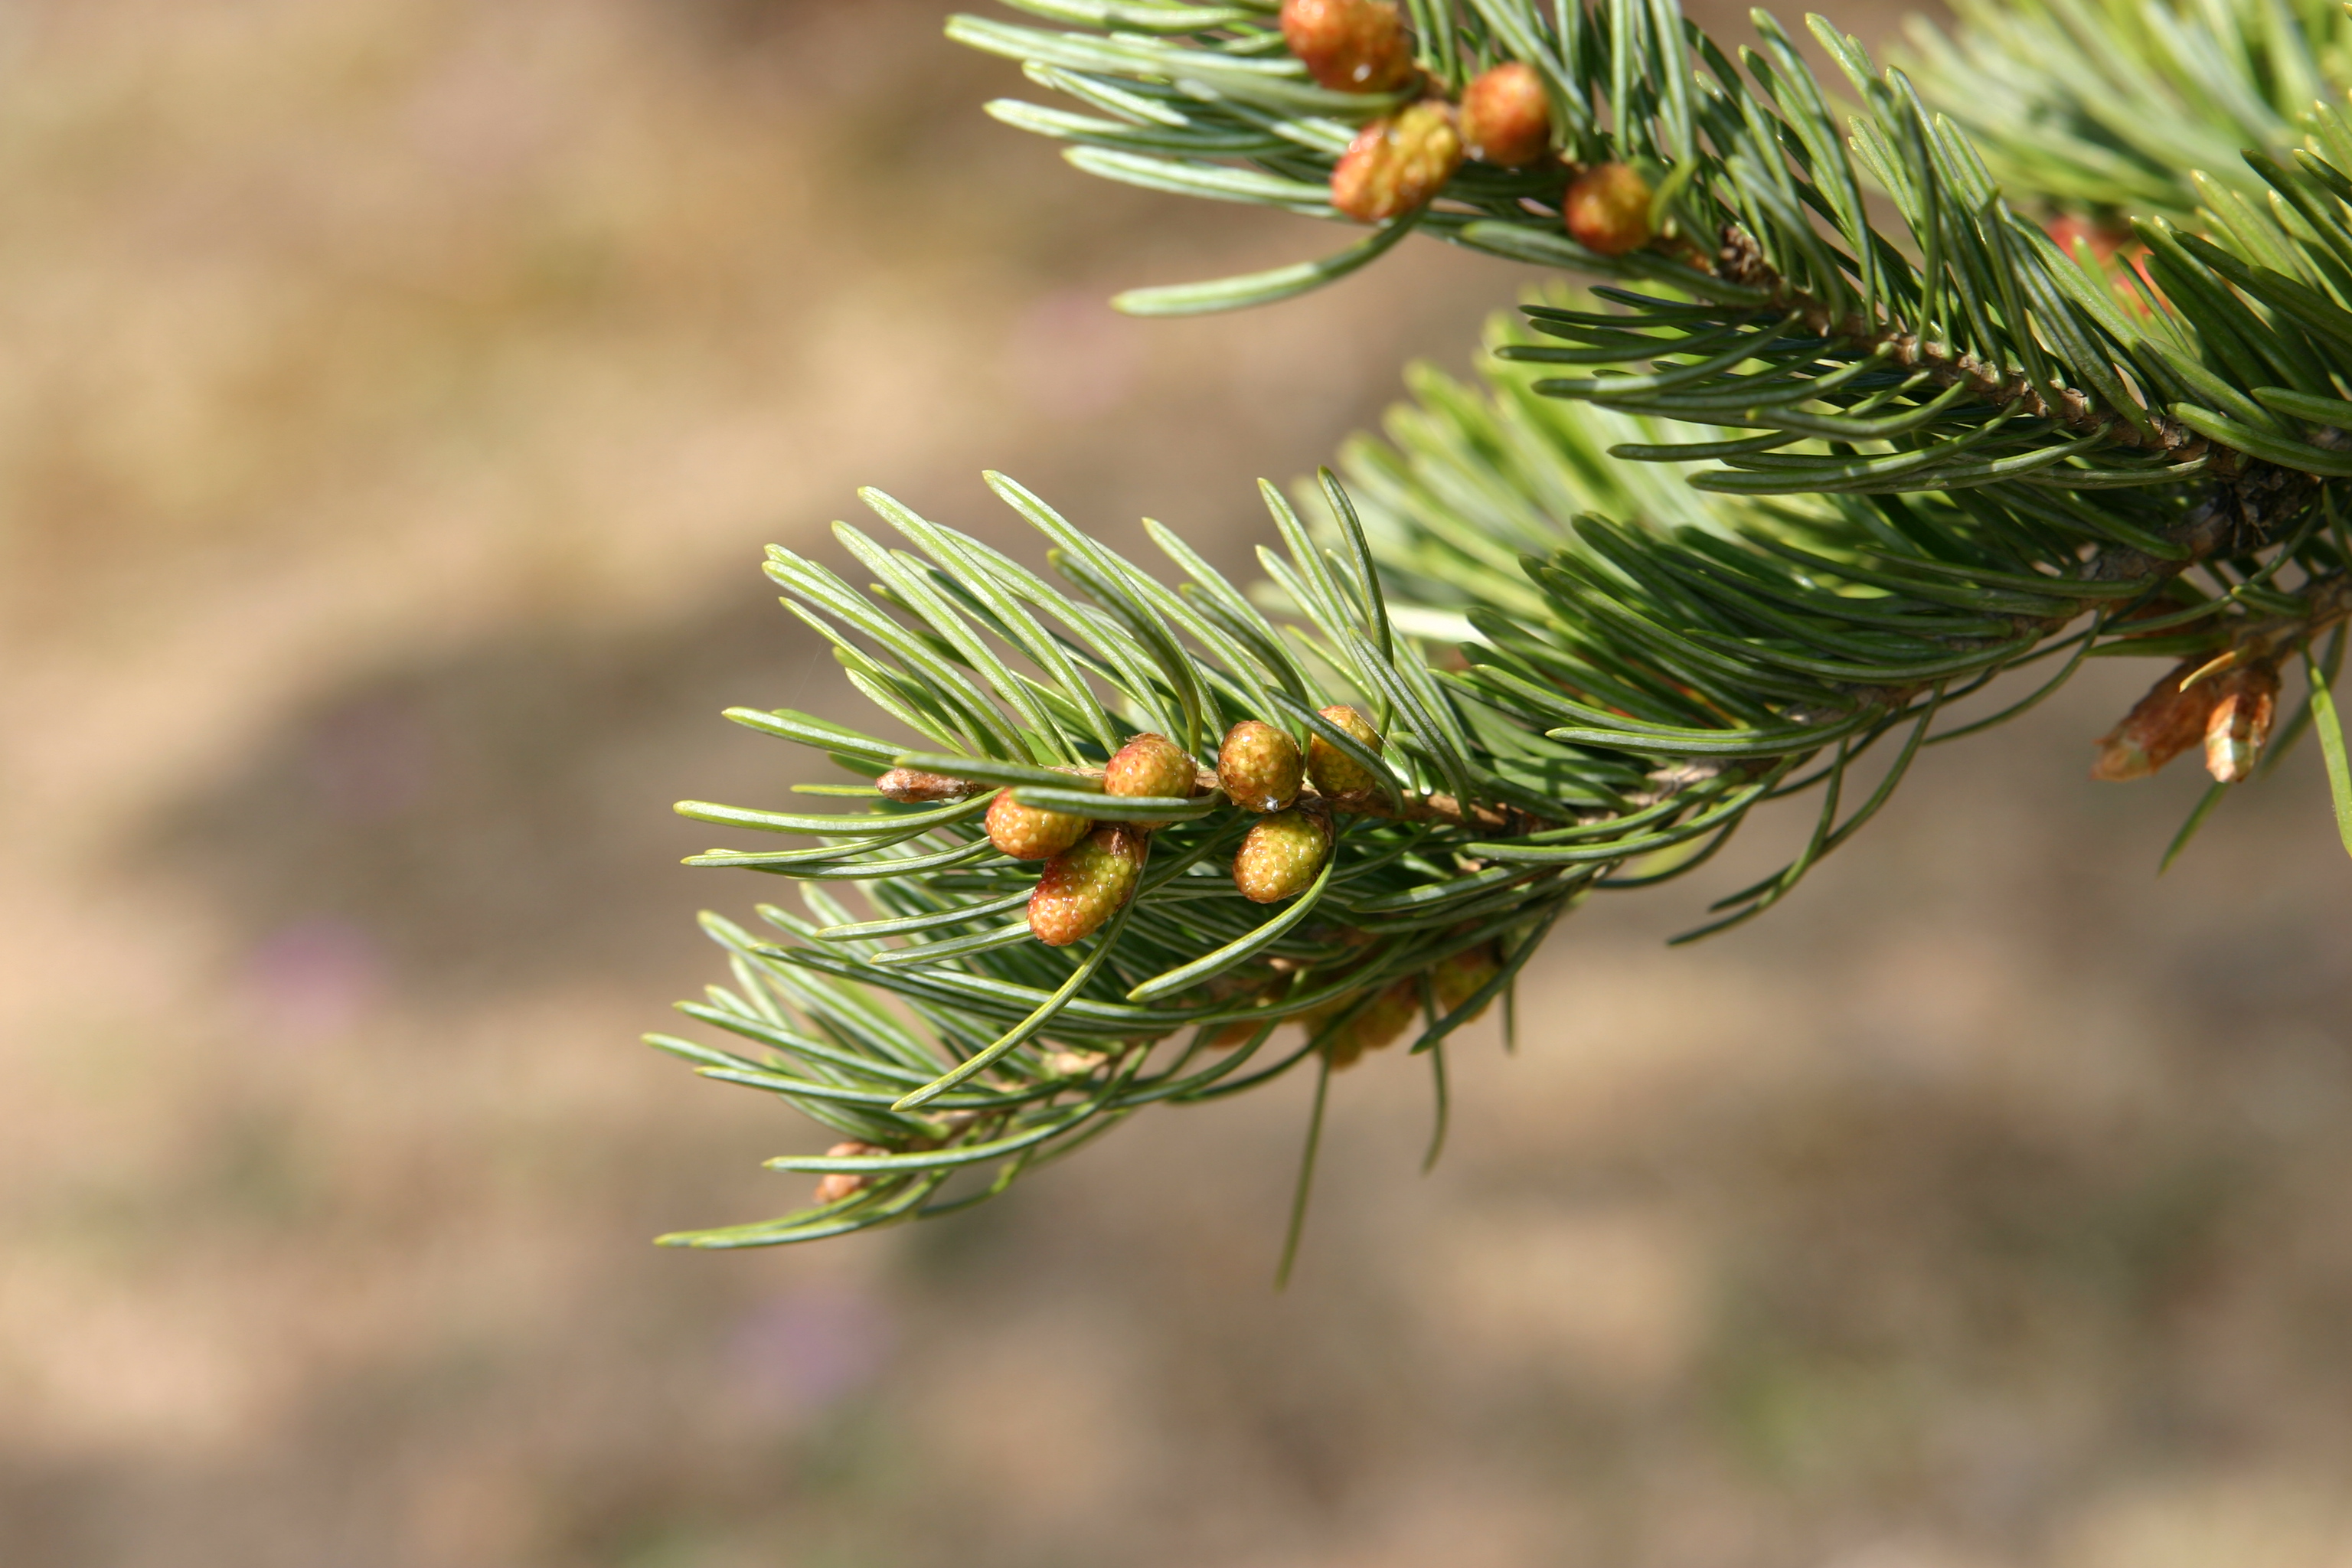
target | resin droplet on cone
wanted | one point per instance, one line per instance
(1151, 765)
(1334, 772)
(1259, 767)
(1506, 116)
(1026, 833)
(1608, 209)
(1349, 46)
(1396, 164)
(1086, 884)
(1280, 855)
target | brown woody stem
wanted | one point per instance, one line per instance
(907, 784)
(1740, 261)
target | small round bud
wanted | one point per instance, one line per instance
(2239, 725)
(1378, 1025)
(1151, 765)
(1070, 1062)
(836, 1186)
(1505, 116)
(1259, 767)
(1349, 46)
(2160, 726)
(1453, 981)
(1608, 209)
(1237, 1033)
(1280, 855)
(1396, 164)
(1086, 884)
(1261, 984)
(1026, 833)
(913, 785)
(1333, 771)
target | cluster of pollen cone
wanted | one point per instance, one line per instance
(1094, 863)
(1401, 161)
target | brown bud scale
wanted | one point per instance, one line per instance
(2160, 726)
(2245, 701)
(914, 786)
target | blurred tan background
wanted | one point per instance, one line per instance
(396, 394)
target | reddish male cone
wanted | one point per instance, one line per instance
(1349, 46)
(1390, 1013)
(1025, 833)
(1086, 884)
(1263, 984)
(1280, 855)
(1506, 116)
(2160, 726)
(1334, 772)
(1259, 767)
(2106, 241)
(1608, 209)
(1456, 980)
(2239, 725)
(1152, 765)
(1237, 1033)
(836, 1186)
(1396, 164)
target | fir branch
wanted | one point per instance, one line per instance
(1969, 293)
(1688, 548)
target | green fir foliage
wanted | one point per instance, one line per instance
(1851, 440)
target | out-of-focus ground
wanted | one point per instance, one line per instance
(396, 396)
